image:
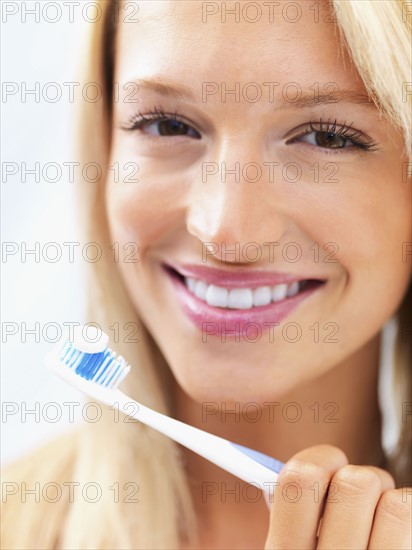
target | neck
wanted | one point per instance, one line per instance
(339, 408)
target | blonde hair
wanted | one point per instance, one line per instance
(377, 36)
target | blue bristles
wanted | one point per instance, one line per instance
(103, 368)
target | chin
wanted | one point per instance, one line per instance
(236, 381)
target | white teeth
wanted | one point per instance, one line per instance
(262, 296)
(217, 296)
(240, 298)
(279, 292)
(293, 290)
(200, 289)
(191, 283)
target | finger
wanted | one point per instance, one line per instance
(348, 517)
(298, 498)
(267, 500)
(392, 525)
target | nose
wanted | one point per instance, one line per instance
(233, 200)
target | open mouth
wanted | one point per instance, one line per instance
(243, 298)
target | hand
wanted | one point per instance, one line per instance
(357, 507)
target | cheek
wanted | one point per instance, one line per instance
(375, 222)
(140, 212)
(146, 199)
(370, 227)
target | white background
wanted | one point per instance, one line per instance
(35, 290)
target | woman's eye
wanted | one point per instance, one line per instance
(328, 140)
(169, 127)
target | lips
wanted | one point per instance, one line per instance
(239, 278)
(228, 301)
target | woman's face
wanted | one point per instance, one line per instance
(276, 170)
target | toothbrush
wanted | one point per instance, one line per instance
(93, 368)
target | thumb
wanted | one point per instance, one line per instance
(268, 499)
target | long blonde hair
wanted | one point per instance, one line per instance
(153, 508)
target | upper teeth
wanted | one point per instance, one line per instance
(240, 298)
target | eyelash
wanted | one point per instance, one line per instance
(354, 136)
(137, 122)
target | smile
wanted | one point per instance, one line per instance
(233, 299)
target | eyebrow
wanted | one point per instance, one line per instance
(178, 91)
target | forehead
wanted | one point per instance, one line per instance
(194, 41)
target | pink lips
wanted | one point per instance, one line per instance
(231, 323)
(240, 278)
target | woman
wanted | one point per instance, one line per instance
(254, 156)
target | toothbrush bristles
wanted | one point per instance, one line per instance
(102, 368)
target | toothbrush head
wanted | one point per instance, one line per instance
(90, 357)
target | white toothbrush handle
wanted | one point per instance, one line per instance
(251, 466)
(247, 464)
